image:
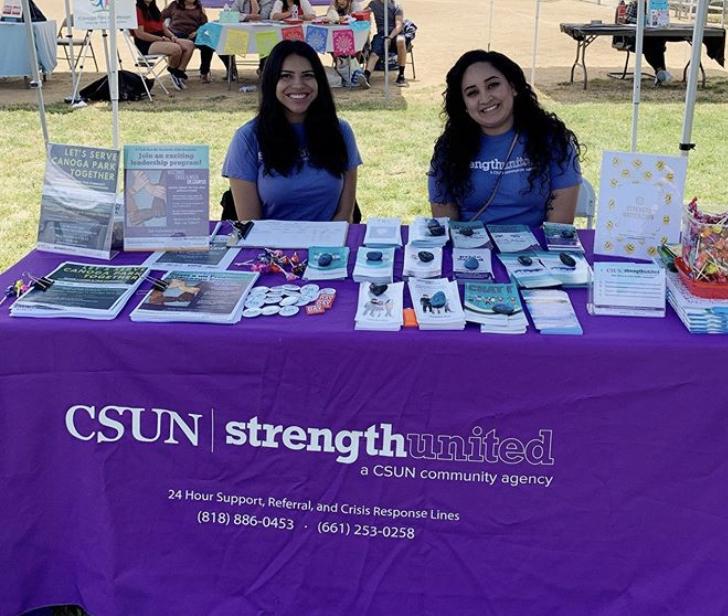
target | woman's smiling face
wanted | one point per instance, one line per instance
(488, 98)
(297, 87)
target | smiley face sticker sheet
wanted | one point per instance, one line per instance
(640, 203)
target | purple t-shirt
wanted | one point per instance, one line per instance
(309, 193)
(514, 203)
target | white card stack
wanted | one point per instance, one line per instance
(422, 262)
(374, 265)
(380, 307)
(472, 263)
(437, 303)
(382, 232)
(469, 234)
(429, 232)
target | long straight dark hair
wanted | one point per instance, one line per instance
(150, 12)
(197, 3)
(278, 143)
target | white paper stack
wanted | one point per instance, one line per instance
(700, 315)
(552, 312)
(380, 307)
(437, 303)
(217, 258)
(469, 234)
(497, 307)
(327, 263)
(422, 262)
(383, 232)
(374, 265)
(197, 297)
(472, 263)
(82, 291)
(429, 232)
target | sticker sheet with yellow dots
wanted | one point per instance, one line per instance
(640, 203)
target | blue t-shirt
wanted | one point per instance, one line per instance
(514, 203)
(308, 193)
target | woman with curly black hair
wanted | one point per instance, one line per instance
(296, 160)
(501, 158)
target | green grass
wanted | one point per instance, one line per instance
(395, 143)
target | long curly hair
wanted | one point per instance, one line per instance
(278, 143)
(546, 137)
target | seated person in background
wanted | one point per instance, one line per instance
(283, 9)
(348, 66)
(653, 48)
(153, 37)
(501, 158)
(253, 9)
(296, 160)
(345, 7)
(396, 36)
(185, 18)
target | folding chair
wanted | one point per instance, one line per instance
(64, 42)
(150, 66)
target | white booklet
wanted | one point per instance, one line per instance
(197, 297)
(78, 200)
(513, 238)
(628, 289)
(472, 263)
(561, 237)
(429, 232)
(422, 262)
(295, 234)
(380, 307)
(374, 265)
(469, 234)
(640, 203)
(552, 312)
(437, 303)
(82, 291)
(383, 232)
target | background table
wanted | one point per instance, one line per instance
(214, 34)
(627, 424)
(14, 61)
(586, 34)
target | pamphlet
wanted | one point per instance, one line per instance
(628, 289)
(497, 307)
(469, 234)
(570, 268)
(380, 307)
(327, 263)
(513, 238)
(700, 315)
(561, 237)
(422, 262)
(374, 265)
(77, 203)
(295, 234)
(640, 203)
(217, 258)
(429, 232)
(383, 232)
(437, 303)
(12, 10)
(552, 312)
(82, 291)
(472, 263)
(528, 271)
(166, 197)
(198, 297)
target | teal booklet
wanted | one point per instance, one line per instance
(327, 263)
(77, 202)
(513, 238)
(561, 237)
(496, 306)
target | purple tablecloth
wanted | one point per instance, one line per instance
(456, 473)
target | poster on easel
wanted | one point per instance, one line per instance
(166, 197)
(12, 10)
(640, 203)
(94, 14)
(658, 13)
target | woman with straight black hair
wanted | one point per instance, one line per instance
(501, 158)
(296, 160)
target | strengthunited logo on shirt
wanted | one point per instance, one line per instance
(520, 163)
